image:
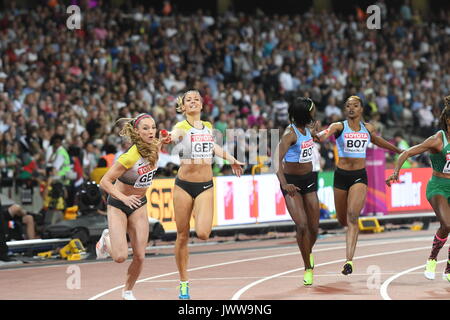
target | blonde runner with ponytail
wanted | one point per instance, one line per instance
(148, 151)
(126, 183)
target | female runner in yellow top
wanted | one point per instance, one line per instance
(126, 182)
(193, 191)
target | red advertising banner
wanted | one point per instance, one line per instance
(229, 201)
(409, 194)
(253, 199)
(280, 204)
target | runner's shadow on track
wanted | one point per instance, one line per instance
(341, 287)
(333, 288)
(438, 294)
(337, 287)
(301, 292)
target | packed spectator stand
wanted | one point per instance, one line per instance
(65, 89)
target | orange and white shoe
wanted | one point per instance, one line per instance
(100, 247)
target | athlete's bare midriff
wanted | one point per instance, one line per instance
(297, 168)
(351, 164)
(192, 172)
(441, 174)
(129, 190)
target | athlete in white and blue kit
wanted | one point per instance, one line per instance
(193, 193)
(353, 136)
(298, 182)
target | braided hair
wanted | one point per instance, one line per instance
(445, 115)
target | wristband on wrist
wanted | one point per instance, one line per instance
(322, 133)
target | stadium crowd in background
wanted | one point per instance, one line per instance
(62, 90)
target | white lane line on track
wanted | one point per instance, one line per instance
(384, 287)
(294, 277)
(85, 262)
(237, 295)
(375, 243)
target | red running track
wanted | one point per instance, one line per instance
(388, 265)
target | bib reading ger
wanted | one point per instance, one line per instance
(145, 177)
(202, 146)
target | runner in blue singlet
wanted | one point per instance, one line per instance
(350, 178)
(297, 180)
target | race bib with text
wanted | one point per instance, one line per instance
(356, 142)
(145, 177)
(306, 151)
(447, 164)
(202, 146)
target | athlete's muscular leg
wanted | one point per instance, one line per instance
(116, 242)
(442, 209)
(312, 210)
(340, 203)
(204, 213)
(356, 199)
(182, 205)
(296, 209)
(138, 230)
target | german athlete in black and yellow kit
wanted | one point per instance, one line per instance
(126, 183)
(438, 188)
(193, 191)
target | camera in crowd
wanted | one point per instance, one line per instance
(89, 198)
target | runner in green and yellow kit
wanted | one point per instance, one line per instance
(438, 188)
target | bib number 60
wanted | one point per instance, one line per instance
(307, 153)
